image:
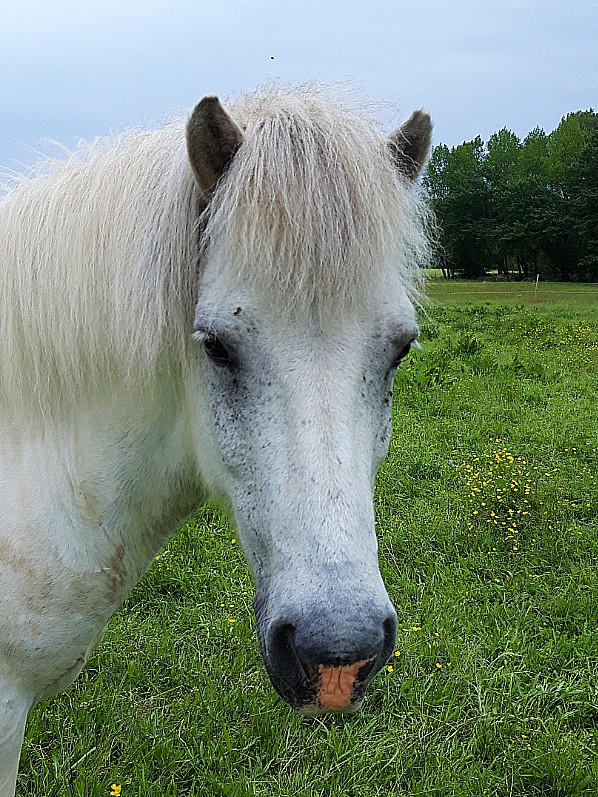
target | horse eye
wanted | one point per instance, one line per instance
(401, 355)
(216, 351)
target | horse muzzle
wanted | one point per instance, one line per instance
(318, 664)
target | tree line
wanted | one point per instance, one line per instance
(519, 207)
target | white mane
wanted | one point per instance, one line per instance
(97, 262)
(99, 255)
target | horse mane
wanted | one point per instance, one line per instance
(100, 254)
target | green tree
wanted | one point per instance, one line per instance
(500, 168)
(522, 207)
(454, 180)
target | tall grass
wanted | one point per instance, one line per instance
(487, 519)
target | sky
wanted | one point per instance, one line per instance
(75, 70)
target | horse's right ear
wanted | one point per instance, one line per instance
(212, 141)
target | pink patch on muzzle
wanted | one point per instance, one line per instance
(337, 684)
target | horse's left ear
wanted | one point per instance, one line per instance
(212, 141)
(410, 144)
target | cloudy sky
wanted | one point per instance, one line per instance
(72, 70)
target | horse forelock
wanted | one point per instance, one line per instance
(312, 206)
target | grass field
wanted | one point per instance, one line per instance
(487, 518)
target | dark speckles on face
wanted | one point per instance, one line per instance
(301, 422)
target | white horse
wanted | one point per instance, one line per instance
(221, 313)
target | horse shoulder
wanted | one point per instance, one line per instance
(83, 513)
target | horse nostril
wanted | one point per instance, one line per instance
(282, 647)
(366, 668)
(390, 628)
(390, 638)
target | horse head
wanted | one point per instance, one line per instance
(309, 236)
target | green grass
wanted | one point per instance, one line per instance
(487, 518)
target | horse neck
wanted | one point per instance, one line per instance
(115, 473)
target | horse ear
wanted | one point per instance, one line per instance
(212, 141)
(410, 144)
